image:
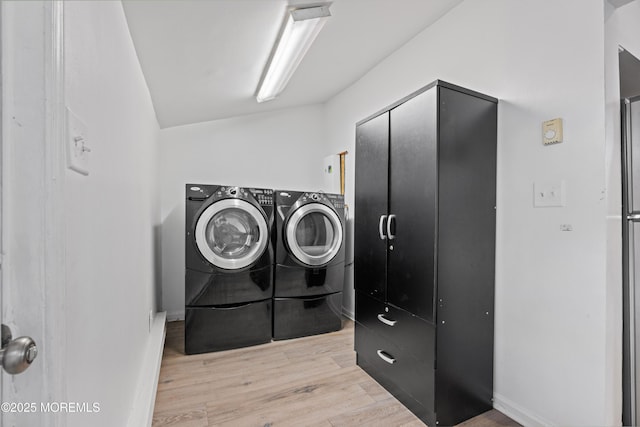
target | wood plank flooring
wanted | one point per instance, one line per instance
(312, 381)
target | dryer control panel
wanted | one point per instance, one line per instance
(337, 200)
(313, 197)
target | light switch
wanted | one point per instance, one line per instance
(77, 144)
(549, 194)
(552, 131)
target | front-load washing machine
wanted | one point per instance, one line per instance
(309, 268)
(228, 267)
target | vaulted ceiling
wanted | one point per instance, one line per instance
(202, 60)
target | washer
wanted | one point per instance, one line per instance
(309, 263)
(228, 267)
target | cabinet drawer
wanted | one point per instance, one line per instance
(400, 369)
(406, 331)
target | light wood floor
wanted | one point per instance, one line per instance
(310, 381)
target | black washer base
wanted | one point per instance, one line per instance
(210, 329)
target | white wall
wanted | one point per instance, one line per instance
(553, 354)
(622, 28)
(280, 150)
(112, 215)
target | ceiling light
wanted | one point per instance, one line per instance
(302, 27)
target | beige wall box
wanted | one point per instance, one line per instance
(332, 174)
(552, 131)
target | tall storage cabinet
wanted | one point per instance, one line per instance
(425, 250)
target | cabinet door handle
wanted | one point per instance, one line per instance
(389, 233)
(386, 357)
(381, 227)
(386, 321)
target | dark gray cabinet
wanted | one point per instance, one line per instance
(425, 250)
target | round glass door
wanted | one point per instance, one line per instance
(314, 234)
(231, 234)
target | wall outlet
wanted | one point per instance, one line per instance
(549, 194)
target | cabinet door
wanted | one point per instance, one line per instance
(412, 202)
(372, 166)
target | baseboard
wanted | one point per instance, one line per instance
(142, 408)
(518, 413)
(175, 315)
(348, 314)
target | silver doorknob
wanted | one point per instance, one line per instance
(16, 355)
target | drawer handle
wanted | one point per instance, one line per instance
(384, 356)
(386, 321)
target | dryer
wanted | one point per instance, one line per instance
(228, 267)
(309, 263)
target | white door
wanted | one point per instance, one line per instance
(32, 252)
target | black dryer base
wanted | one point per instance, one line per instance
(300, 317)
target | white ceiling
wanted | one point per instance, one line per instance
(619, 3)
(203, 59)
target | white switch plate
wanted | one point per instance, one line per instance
(549, 194)
(77, 144)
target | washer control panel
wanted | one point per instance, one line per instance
(263, 196)
(231, 192)
(234, 191)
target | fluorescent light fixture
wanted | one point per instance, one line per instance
(302, 27)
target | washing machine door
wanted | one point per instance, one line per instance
(231, 234)
(314, 234)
